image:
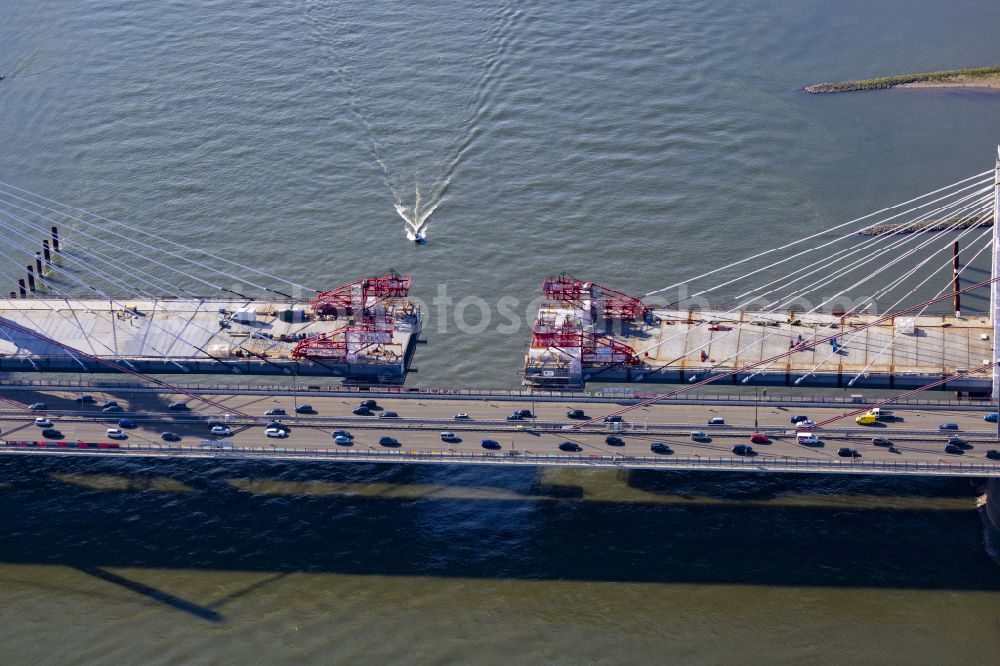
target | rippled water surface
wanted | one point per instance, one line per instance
(633, 143)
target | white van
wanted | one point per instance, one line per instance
(806, 438)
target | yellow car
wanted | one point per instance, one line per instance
(866, 419)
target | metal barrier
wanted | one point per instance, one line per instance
(664, 462)
(611, 395)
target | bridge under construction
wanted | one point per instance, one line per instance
(789, 324)
(138, 310)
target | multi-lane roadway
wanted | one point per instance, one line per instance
(914, 433)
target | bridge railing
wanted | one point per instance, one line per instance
(678, 462)
(623, 394)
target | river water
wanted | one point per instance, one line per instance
(634, 144)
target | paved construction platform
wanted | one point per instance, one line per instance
(674, 346)
(187, 336)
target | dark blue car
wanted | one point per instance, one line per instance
(126, 423)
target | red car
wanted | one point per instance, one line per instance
(759, 438)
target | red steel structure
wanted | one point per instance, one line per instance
(595, 350)
(609, 303)
(353, 298)
(358, 299)
(335, 345)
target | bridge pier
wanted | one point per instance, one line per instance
(993, 502)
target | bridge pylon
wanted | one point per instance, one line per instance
(995, 286)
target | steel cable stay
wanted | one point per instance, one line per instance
(123, 237)
(850, 337)
(89, 338)
(987, 211)
(136, 230)
(872, 299)
(88, 265)
(896, 398)
(774, 305)
(905, 238)
(752, 366)
(839, 226)
(143, 343)
(882, 268)
(118, 247)
(117, 303)
(987, 246)
(789, 258)
(820, 266)
(104, 295)
(135, 373)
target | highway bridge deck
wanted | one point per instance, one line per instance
(914, 433)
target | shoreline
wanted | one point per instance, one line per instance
(982, 78)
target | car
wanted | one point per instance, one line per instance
(807, 439)
(881, 441)
(279, 425)
(699, 436)
(388, 415)
(759, 438)
(799, 418)
(305, 409)
(993, 454)
(112, 409)
(845, 452)
(959, 442)
(743, 450)
(948, 426)
(717, 420)
(614, 418)
(370, 404)
(43, 422)
(808, 423)
(516, 416)
(343, 433)
(342, 441)
(572, 447)
(990, 418)
(461, 415)
(178, 407)
(575, 414)
(491, 444)
(866, 419)
(126, 423)
(951, 448)
(51, 433)
(170, 437)
(275, 411)
(660, 447)
(449, 437)
(388, 441)
(526, 413)
(361, 410)
(86, 397)
(38, 406)
(611, 440)
(222, 431)
(109, 403)
(276, 432)
(116, 433)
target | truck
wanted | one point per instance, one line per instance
(882, 414)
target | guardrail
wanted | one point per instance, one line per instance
(664, 462)
(607, 395)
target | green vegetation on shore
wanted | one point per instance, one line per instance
(892, 81)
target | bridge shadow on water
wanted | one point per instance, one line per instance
(477, 522)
